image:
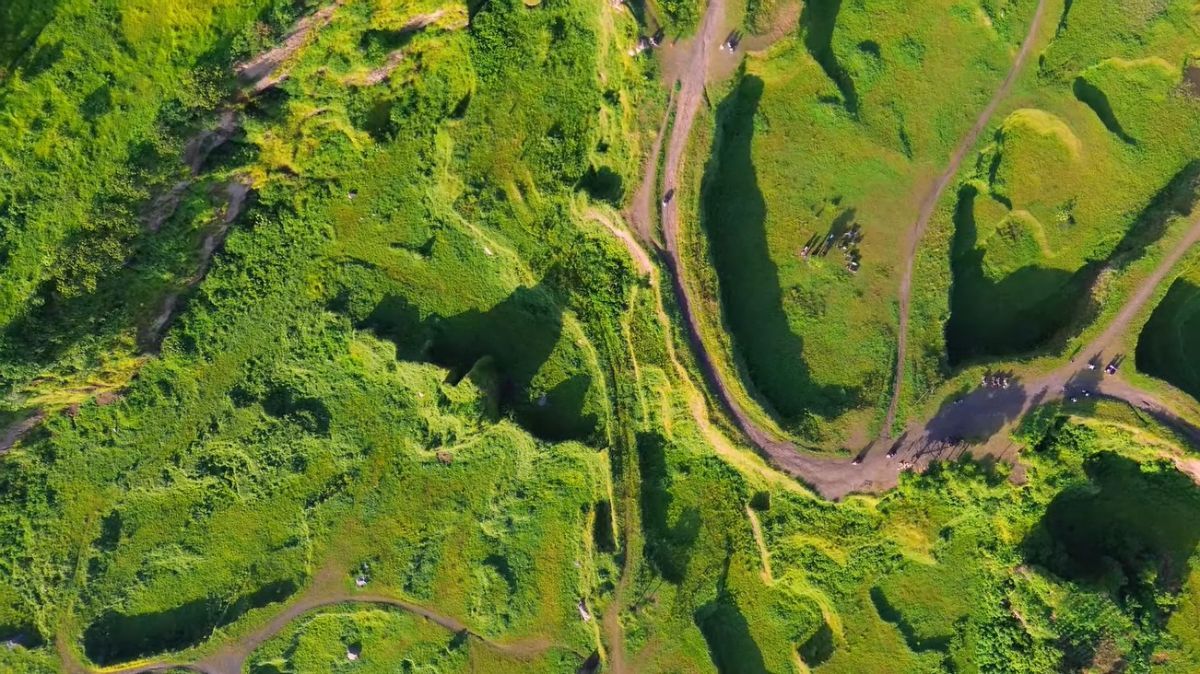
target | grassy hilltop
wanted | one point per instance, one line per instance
(319, 353)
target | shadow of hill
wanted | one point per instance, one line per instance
(1009, 316)
(117, 637)
(1166, 345)
(978, 415)
(1035, 307)
(733, 218)
(1095, 98)
(668, 547)
(1131, 529)
(727, 631)
(518, 336)
(817, 22)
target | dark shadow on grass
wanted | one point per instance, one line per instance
(733, 216)
(895, 616)
(668, 545)
(517, 335)
(1036, 308)
(1129, 531)
(1093, 97)
(727, 631)
(818, 648)
(1010, 316)
(817, 23)
(116, 637)
(1166, 347)
(21, 23)
(1063, 19)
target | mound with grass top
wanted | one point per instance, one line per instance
(1109, 141)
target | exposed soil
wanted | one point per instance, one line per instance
(264, 71)
(195, 154)
(234, 195)
(930, 202)
(1191, 81)
(641, 212)
(640, 258)
(763, 553)
(14, 433)
(197, 150)
(325, 591)
(384, 71)
(783, 24)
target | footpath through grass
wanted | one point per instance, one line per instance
(1096, 154)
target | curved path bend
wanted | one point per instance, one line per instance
(982, 415)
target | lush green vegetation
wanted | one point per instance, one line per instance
(410, 287)
(1081, 177)
(387, 641)
(416, 379)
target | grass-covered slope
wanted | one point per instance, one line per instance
(404, 407)
(1080, 177)
(376, 365)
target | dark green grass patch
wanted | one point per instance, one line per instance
(1167, 345)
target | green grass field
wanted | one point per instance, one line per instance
(1092, 157)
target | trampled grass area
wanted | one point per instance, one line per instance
(1092, 157)
(835, 131)
(1166, 347)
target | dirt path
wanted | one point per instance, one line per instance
(641, 212)
(761, 542)
(264, 71)
(930, 202)
(640, 258)
(324, 592)
(687, 104)
(982, 417)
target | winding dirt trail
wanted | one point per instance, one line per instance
(641, 213)
(983, 416)
(930, 202)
